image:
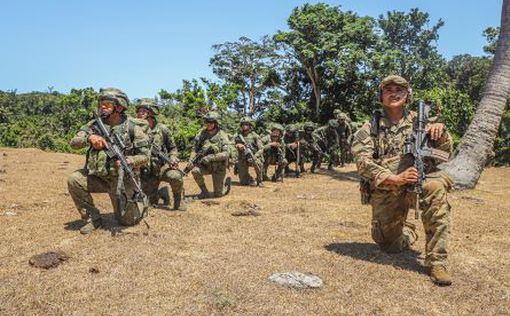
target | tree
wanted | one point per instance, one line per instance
(248, 66)
(476, 147)
(331, 46)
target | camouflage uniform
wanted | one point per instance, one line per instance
(253, 140)
(214, 164)
(344, 131)
(329, 141)
(390, 204)
(100, 173)
(274, 155)
(291, 138)
(158, 170)
(310, 146)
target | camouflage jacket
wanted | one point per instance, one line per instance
(344, 132)
(254, 140)
(327, 136)
(160, 136)
(218, 142)
(267, 149)
(389, 143)
(137, 146)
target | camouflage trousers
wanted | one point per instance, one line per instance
(392, 232)
(151, 182)
(218, 171)
(270, 158)
(80, 185)
(243, 167)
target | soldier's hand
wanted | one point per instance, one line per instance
(409, 176)
(240, 146)
(97, 141)
(293, 145)
(174, 165)
(275, 144)
(435, 130)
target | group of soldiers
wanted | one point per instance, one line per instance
(377, 149)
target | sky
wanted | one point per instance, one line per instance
(144, 46)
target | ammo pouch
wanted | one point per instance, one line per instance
(365, 192)
(97, 163)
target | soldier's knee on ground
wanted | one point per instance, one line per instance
(393, 237)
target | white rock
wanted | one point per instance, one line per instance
(297, 280)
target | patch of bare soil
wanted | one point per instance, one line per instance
(206, 261)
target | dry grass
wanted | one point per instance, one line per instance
(205, 261)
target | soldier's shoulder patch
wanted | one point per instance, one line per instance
(363, 133)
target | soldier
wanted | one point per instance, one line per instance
(274, 153)
(214, 145)
(160, 139)
(377, 149)
(329, 141)
(311, 146)
(101, 174)
(249, 152)
(345, 134)
(293, 151)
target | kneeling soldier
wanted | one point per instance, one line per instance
(249, 148)
(274, 153)
(163, 148)
(389, 176)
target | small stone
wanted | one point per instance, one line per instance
(94, 270)
(9, 213)
(210, 203)
(472, 198)
(246, 213)
(297, 280)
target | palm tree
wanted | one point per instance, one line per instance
(477, 144)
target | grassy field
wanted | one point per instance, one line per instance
(207, 262)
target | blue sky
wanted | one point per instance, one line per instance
(143, 46)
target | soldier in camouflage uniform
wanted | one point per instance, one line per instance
(248, 139)
(158, 170)
(292, 140)
(388, 174)
(345, 134)
(274, 153)
(215, 142)
(310, 146)
(100, 174)
(329, 141)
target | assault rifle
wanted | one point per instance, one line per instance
(417, 145)
(114, 149)
(248, 148)
(196, 160)
(158, 152)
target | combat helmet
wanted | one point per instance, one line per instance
(115, 95)
(149, 104)
(246, 120)
(399, 81)
(212, 117)
(333, 123)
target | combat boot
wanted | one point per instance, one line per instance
(440, 275)
(330, 166)
(90, 226)
(179, 203)
(204, 193)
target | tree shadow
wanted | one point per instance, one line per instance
(370, 252)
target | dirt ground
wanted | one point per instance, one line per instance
(207, 262)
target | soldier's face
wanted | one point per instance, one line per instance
(106, 108)
(142, 113)
(394, 96)
(210, 126)
(246, 127)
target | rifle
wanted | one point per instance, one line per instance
(114, 149)
(417, 145)
(158, 152)
(196, 160)
(248, 148)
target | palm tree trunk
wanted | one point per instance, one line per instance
(477, 143)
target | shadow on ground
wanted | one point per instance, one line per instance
(407, 260)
